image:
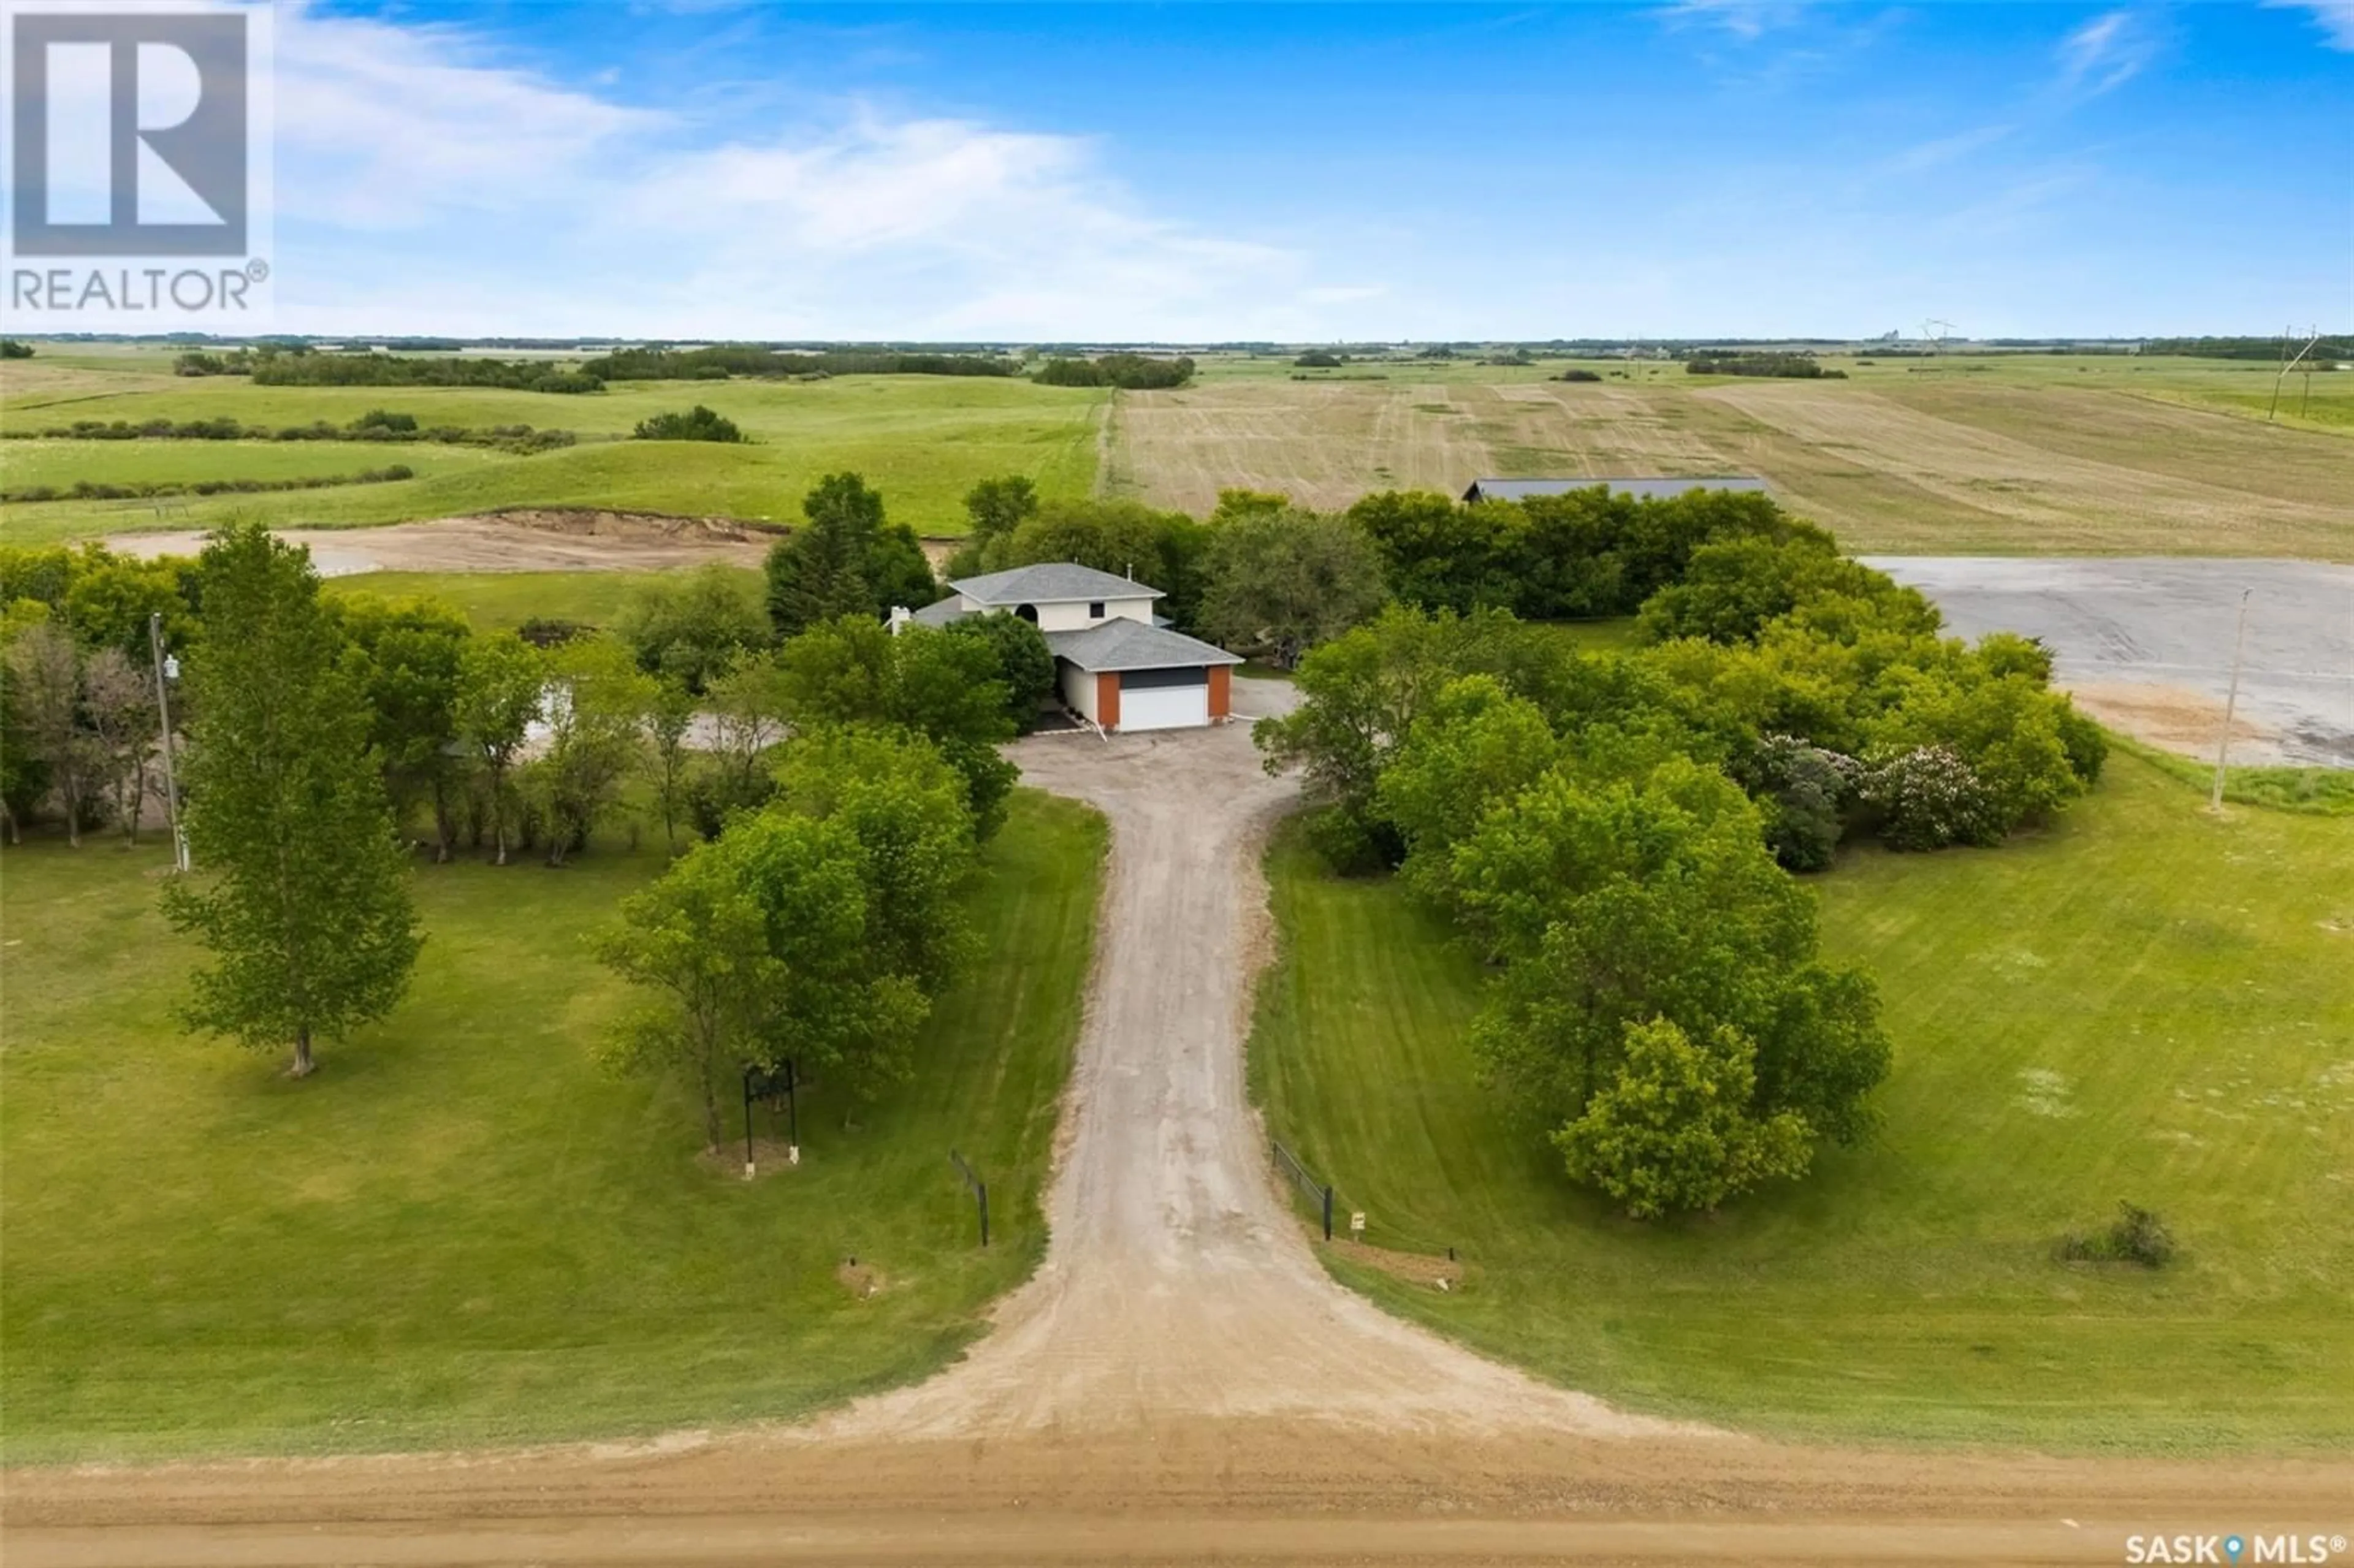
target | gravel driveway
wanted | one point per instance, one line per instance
(1177, 1284)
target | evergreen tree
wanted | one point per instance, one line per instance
(821, 572)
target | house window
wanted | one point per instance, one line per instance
(1095, 611)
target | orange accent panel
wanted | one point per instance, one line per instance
(1108, 699)
(1222, 690)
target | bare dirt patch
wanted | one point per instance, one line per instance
(861, 1280)
(1413, 1268)
(2166, 716)
(536, 540)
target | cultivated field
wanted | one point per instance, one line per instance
(465, 1230)
(1965, 454)
(2141, 1002)
(2026, 454)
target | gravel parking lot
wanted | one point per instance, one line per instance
(2145, 645)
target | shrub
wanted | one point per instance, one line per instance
(2135, 1235)
(1926, 798)
(1576, 374)
(1801, 788)
(551, 631)
(697, 424)
(1317, 359)
(10, 349)
(378, 420)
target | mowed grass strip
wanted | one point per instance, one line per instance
(463, 1230)
(923, 440)
(2140, 1004)
(500, 602)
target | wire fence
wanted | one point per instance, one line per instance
(1317, 1193)
(979, 1188)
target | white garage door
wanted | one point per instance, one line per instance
(1164, 699)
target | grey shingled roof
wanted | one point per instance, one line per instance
(1050, 582)
(1640, 489)
(941, 613)
(1120, 643)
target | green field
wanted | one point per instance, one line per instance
(462, 1230)
(922, 440)
(2141, 1002)
(500, 601)
(60, 464)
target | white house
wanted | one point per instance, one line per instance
(1116, 662)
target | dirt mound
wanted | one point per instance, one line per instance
(531, 539)
(592, 522)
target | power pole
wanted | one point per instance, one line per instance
(2288, 364)
(2231, 703)
(163, 711)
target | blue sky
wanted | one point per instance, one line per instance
(1190, 173)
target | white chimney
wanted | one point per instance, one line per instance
(901, 616)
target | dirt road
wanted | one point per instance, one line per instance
(1180, 1382)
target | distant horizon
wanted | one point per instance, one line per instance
(425, 339)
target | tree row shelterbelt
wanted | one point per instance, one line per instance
(1615, 834)
(300, 364)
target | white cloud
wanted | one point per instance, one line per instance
(426, 185)
(1744, 19)
(2334, 17)
(1934, 154)
(2105, 52)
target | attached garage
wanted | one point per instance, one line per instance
(1126, 675)
(1164, 699)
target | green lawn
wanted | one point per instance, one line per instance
(2140, 1004)
(462, 1230)
(923, 440)
(494, 601)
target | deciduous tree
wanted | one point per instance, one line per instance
(302, 894)
(595, 711)
(45, 672)
(1677, 1129)
(119, 702)
(1286, 580)
(701, 935)
(690, 627)
(409, 658)
(907, 807)
(501, 688)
